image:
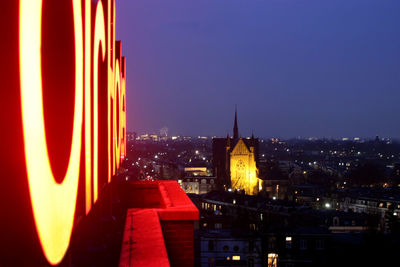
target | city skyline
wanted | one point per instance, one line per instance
(294, 68)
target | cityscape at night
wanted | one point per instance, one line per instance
(200, 133)
(321, 201)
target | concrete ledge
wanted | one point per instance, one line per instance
(165, 217)
(143, 241)
(177, 205)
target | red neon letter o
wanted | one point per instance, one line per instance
(53, 204)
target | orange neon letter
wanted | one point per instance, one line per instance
(53, 203)
(109, 86)
(117, 126)
(99, 41)
(88, 132)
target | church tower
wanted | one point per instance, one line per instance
(235, 127)
(235, 162)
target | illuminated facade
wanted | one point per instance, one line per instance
(243, 169)
(235, 162)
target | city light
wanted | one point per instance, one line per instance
(236, 258)
(272, 260)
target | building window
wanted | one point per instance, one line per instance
(271, 242)
(289, 242)
(335, 221)
(210, 245)
(251, 245)
(225, 248)
(218, 226)
(236, 258)
(250, 262)
(272, 260)
(211, 261)
(236, 248)
(320, 244)
(303, 244)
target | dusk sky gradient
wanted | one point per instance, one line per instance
(293, 67)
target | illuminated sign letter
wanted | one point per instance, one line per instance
(53, 203)
(99, 41)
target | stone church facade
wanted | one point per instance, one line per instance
(235, 162)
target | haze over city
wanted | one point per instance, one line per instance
(294, 68)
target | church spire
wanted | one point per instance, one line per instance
(235, 126)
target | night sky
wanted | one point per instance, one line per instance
(294, 67)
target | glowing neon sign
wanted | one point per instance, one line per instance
(54, 203)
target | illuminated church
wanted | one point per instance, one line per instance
(235, 161)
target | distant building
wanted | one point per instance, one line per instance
(235, 162)
(197, 184)
(196, 171)
(226, 248)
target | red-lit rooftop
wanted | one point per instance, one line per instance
(159, 225)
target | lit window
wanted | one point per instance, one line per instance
(272, 260)
(236, 258)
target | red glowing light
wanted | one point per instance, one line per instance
(99, 41)
(54, 204)
(88, 140)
